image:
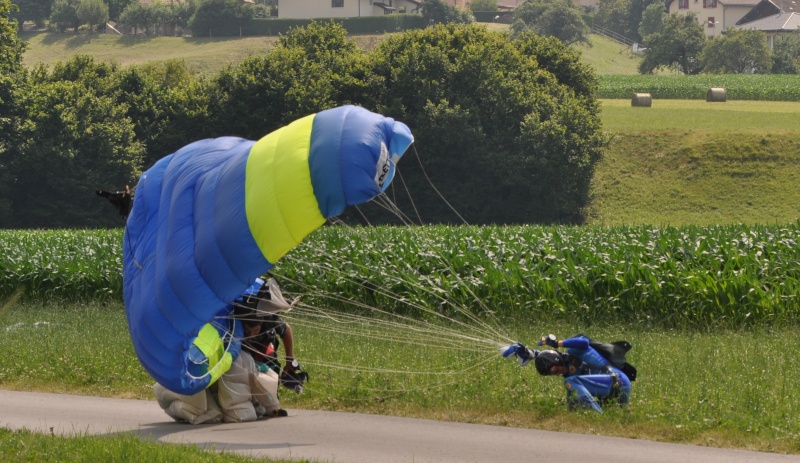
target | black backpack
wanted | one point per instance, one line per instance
(615, 353)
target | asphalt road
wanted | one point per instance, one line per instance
(349, 437)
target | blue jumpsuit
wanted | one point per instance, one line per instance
(591, 375)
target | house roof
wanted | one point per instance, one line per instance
(767, 8)
(781, 22)
(384, 6)
(739, 2)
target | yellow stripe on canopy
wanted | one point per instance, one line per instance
(210, 344)
(279, 199)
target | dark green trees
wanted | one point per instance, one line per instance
(507, 130)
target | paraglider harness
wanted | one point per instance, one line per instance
(253, 307)
(614, 353)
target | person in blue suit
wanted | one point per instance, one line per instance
(589, 377)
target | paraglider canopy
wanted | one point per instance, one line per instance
(210, 218)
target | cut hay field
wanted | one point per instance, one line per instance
(692, 162)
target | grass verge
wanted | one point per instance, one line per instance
(25, 446)
(728, 389)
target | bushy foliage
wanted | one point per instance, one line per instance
(555, 18)
(515, 120)
(11, 47)
(64, 15)
(439, 11)
(92, 12)
(739, 51)
(138, 17)
(653, 19)
(483, 5)
(157, 16)
(73, 139)
(677, 46)
(11, 50)
(84, 126)
(311, 69)
(448, 83)
(786, 54)
(220, 18)
(35, 11)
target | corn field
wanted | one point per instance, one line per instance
(769, 87)
(681, 277)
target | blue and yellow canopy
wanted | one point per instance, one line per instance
(210, 218)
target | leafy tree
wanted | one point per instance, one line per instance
(738, 51)
(116, 7)
(137, 17)
(678, 46)
(11, 47)
(786, 54)
(11, 72)
(220, 18)
(167, 105)
(556, 18)
(74, 138)
(438, 11)
(486, 112)
(36, 11)
(624, 16)
(92, 12)
(653, 20)
(483, 5)
(311, 69)
(613, 15)
(64, 15)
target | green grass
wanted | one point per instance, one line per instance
(26, 446)
(607, 56)
(699, 115)
(200, 54)
(711, 389)
(692, 162)
(208, 55)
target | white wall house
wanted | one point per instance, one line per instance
(714, 15)
(313, 9)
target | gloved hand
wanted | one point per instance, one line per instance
(549, 340)
(518, 350)
(294, 379)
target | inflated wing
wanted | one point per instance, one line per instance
(210, 218)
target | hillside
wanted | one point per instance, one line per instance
(210, 54)
(692, 162)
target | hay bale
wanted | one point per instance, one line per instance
(641, 99)
(716, 95)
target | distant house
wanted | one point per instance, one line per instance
(773, 24)
(312, 9)
(769, 8)
(714, 15)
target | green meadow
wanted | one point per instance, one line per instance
(693, 162)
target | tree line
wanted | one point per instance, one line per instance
(507, 130)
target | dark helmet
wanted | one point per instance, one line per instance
(547, 359)
(261, 299)
(245, 306)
